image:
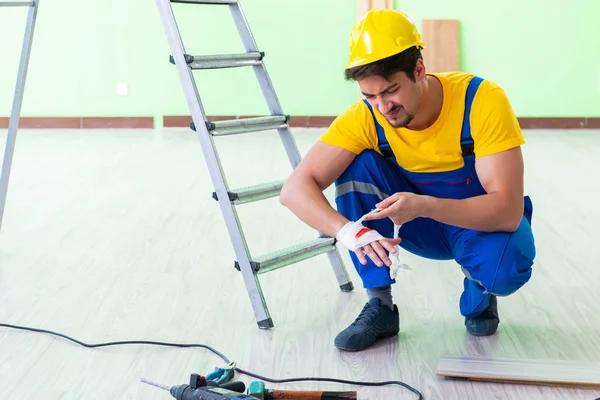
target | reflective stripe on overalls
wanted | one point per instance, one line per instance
(493, 262)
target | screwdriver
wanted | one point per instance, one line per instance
(199, 391)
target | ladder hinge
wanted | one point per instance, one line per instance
(232, 196)
(188, 59)
(253, 264)
(209, 125)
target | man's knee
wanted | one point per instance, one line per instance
(514, 271)
(515, 263)
(506, 261)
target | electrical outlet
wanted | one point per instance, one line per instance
(122, 89)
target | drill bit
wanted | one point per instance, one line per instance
(158, 385)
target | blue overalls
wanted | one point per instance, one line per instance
(496, 263)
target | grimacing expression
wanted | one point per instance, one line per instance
(397, 99)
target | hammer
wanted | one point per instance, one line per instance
(257, 389)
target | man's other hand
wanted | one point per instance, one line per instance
(401, 207)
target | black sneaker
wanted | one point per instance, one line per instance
(486, 323)
(375, 321)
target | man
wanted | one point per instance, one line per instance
(439, 155)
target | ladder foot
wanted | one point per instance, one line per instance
(347, 287)
(266, 323)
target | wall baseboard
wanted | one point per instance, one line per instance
(182, 121)
(81, 122)
(559, 123)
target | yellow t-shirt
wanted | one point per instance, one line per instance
(494, 128)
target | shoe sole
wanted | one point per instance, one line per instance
(484, 333)
(387, 335)
(481, 334)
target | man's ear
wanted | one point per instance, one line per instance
(420, 71)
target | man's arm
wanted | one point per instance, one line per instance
(302, 192)
(501, 209)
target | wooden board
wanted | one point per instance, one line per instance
(365, 6)
(442, 38)
(513, 370)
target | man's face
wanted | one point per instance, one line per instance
(396, 99)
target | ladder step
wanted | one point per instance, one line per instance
(254, 193)
(223, 60)
(17, 3)
(205, 1)
(291, 255)
(245, 125)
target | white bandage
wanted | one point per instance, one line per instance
(355, 235)
(395, 258)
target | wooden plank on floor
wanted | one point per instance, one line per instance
(442, 51)
(579, 374)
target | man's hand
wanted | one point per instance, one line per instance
(401, 207)
(376, 251)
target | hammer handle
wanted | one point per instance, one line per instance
(272, 394)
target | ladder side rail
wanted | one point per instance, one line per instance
(15, 115)
(265, 83)
(198, 115)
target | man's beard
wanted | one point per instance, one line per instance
(405, 121)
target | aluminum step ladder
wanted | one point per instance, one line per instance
(250, 267)
(15, 114)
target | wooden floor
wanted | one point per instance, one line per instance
(113, 235)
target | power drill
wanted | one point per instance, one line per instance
(201, 389)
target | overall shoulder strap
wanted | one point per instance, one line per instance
(382, 142)
(466, 140)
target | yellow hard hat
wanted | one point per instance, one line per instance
(382, 33)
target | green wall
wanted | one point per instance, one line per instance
(545, 55)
